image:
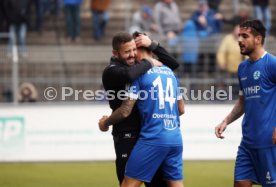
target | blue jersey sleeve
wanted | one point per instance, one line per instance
(272, 69)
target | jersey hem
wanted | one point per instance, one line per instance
(160, 145)
(257, 147)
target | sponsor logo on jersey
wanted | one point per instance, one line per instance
(170, 124)
(251, 90)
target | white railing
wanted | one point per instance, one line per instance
(14, 55)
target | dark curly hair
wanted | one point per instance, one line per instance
(257, 28)
(119, 39)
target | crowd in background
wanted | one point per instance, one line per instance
(162, 21)
(15, 18)
(204, 26)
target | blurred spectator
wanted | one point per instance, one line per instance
(56, 7)
(214, 4)
(228, 60)
(2, 17)
(206, 20)
(190, 43)
(167, 17)
(17, 13)
(72, 16)
(7, 94)
(228, 55)
(242, 15)
(41, 6)
(143, 21)
(27, 93)
(263, 13)
(208, 24)
(99, 17)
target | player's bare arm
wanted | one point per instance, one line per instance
(274, 136)
(119, 114)
(236, 112)
(181, 106)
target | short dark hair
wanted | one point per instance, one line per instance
(137, 34)
(257, 28)
(119, 39)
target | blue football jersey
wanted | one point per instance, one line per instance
(157, 93)
(258, 86)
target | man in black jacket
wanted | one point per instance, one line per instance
(121, 71)
(17, 15)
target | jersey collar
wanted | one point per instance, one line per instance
(264, 54)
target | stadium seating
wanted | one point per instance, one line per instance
(53, 62)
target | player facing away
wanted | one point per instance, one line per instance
(256, 157)
(160, 142)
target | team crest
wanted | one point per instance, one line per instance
(256, 75)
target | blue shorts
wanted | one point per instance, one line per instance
(145, 159)
(256, 165)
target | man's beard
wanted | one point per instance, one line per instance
(247, 52)
(125, 60)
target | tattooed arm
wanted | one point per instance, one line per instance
(236, 112)
(119, 114)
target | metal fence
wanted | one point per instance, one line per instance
(81, 67)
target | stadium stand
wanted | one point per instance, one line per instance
(53, 62)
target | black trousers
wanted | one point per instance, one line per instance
(124, 144)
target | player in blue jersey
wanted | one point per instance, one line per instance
(256, 157)
(160, 142)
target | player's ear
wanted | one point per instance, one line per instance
(115, 53)
(259, 39)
